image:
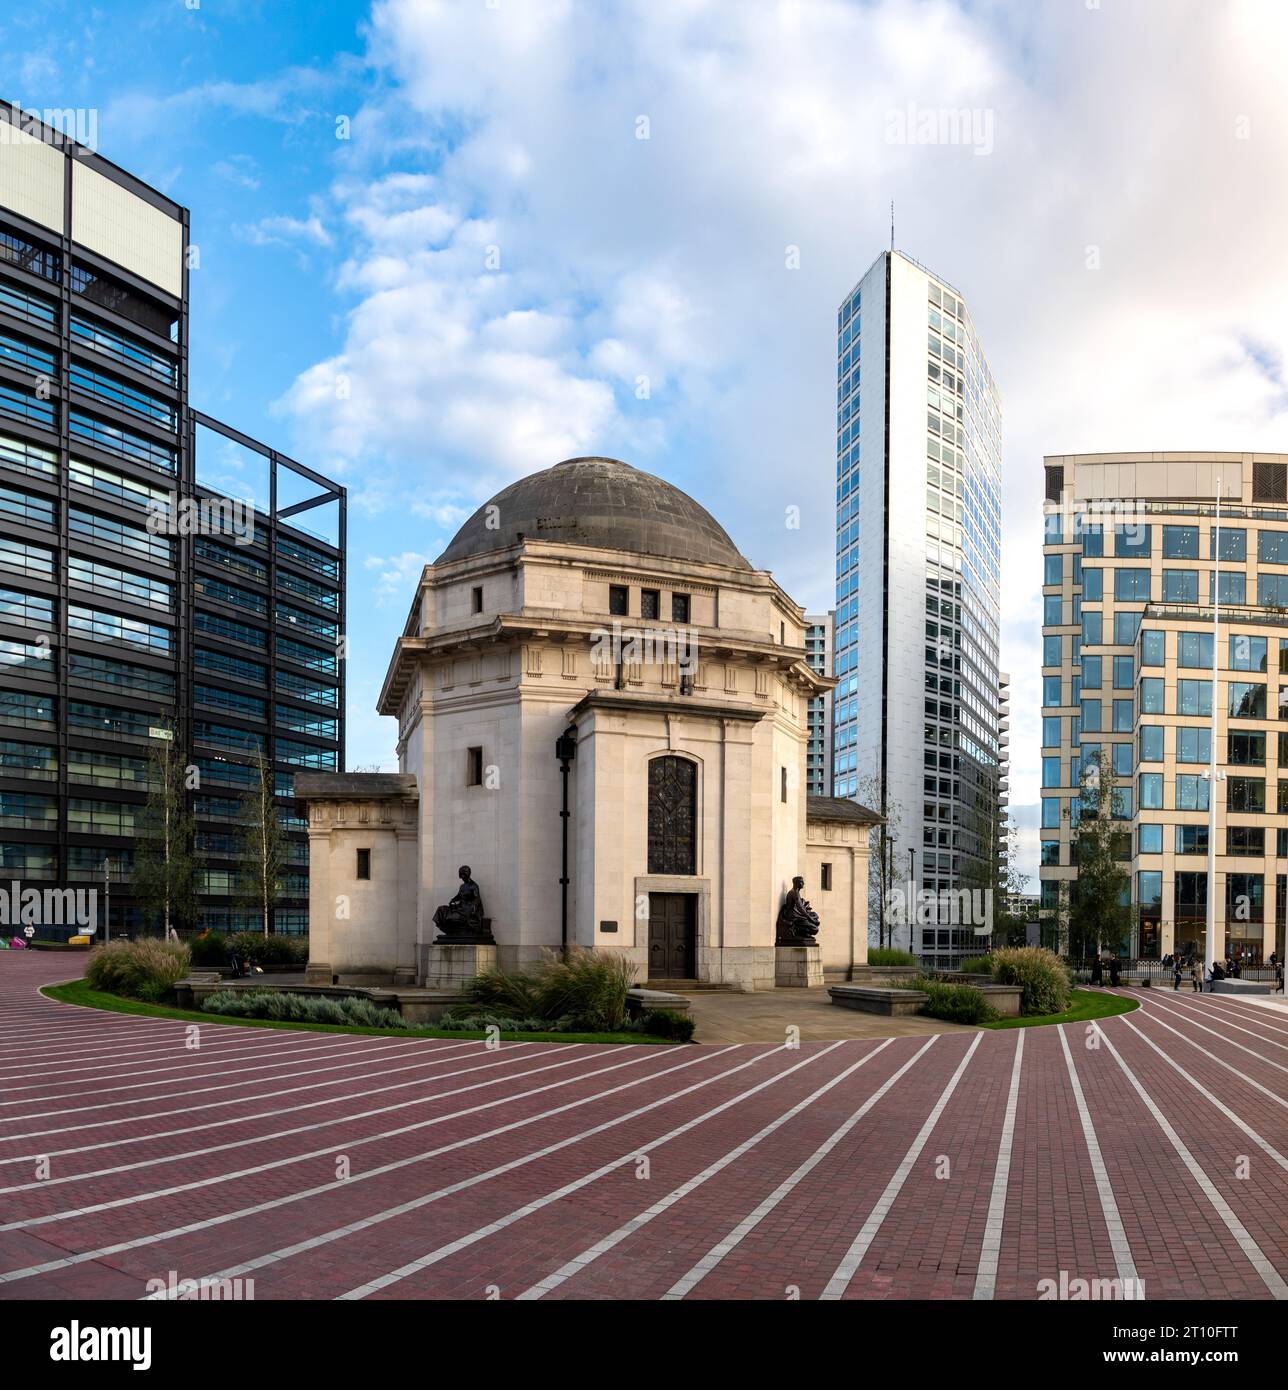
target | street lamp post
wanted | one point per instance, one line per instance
(107, 900)
(1209, 947)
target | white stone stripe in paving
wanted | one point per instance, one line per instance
(749, 1223)
(581, 1262)
(120, 1140)
(136, 1198)
(340, 1118)
(990, 1251)
(1208, 1096)
(1190, 1017)
(321, 1189)
(859, 1247)
(245, 1096)
(632, 1155)
(1152, 1017)
(1118, 1241)
(1195, 1010)
(1269, 1275)
(1265, 1015)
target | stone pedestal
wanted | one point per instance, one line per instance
(449, 966)
(798, 967)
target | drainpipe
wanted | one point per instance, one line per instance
(565, 751)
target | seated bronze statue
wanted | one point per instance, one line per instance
(461, 921)
(797, 923)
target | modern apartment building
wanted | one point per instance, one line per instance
(918, 577)
(1128, 668)
(115, 629)
(819, 630)
(1003, 772)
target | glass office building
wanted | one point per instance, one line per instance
(916, 723)
(114, 629)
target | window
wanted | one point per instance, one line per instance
(1149, 888)
(1247, 653)
(1245, 794)
(1124, 672)
(679, 608)
(1091, 673)
(782, 784)
(672, 816)
(1151, 695)
(1122, 760)
(1194, 649)
(1150, 789)
(1151, 743)
(1244, 898)
(1153, 648)
(1091, 716)
(618, 600)
(1234, 586)
(1245, 750)
(474, 767)
(1191, 792)
(1126, 626)
(1124, 716)
(364, 863)
(476, 599)
(1180, 542)
(1272, 590)
(1052, 610)
(1050, 813)
(1247, 841)
(1051, 690)
(1051, 731)
(1246, 700)
(1234, 543)
(1180, 586)
(1093, 540)
(1149, 840)
(650, 604)
(1194, 697)
(1132, 541)
(1050, 772)
(1051, 651)
(1050, 853)
(1092, 628)
(1053, 569)
(1191, 839)
(1093, 587)
(1272, 547)
(1131, 585)
(1193, 745)
(826, 878)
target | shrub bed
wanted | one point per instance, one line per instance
(955, 1003)
(586, 993)
(299, 1008)
(887, 955)
(1043, 979)
(272, 951)
(666, 1023)
(145, 970)
(977, 965)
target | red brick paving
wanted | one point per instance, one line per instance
(260, 1118)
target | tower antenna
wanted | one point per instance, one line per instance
(892, 224)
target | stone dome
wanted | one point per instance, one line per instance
(598, 502)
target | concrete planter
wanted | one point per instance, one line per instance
(877, 999)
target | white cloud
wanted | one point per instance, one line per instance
(515, 129)
(286, 231)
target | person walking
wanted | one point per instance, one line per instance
(1196, 978)
(1176, 972)
(1114, 970)
(1097, 972)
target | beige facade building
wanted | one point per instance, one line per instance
(602, 711)
(1128, 648)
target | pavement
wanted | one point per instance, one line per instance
(724, 1017)
(138, 1153)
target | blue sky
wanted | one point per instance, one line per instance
(475, 283)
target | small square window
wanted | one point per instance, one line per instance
(650, 604)
(618, 600)
(476, 598)
(364, 863)
(679, 608)
(474, 773)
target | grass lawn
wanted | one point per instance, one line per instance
(79, 992)
(1086, 1005)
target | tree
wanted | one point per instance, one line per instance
(263, 846)
(885, 871)
(1099, 906)
(165, 865)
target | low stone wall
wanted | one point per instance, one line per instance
(646, 1001)
(1004, 1000)
(1228, 986)
(876, 999)
(422, 1008)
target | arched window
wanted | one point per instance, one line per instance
(672, 816)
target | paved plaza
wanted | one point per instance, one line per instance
(1150, 1148)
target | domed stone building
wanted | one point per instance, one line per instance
(602, 711)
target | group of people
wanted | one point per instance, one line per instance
(1184, 967)
(1098, 971)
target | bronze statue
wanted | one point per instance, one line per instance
(797, 923)
(462, 921)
